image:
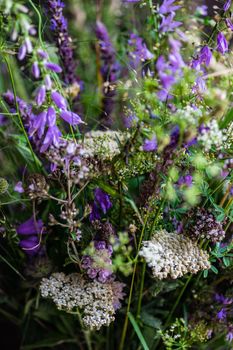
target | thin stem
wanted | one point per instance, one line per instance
(86, 333)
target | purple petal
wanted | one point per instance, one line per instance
(40, 95)
(53, 67)
(59, 100)
(19, 187)
(36, 70)
(51, 116)
(71, 118)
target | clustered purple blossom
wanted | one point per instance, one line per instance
(167, 11)
(138, 51)
(59, 27)
(102, 203)
(150, 144)
(30, 233)
(98, 264)
(110, 71)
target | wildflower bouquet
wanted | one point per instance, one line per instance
(116, 188)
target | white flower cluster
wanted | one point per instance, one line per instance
(189, 114)
(70, 292)
(211, 135)
(173, 255)
(229, 136)
(103, 144)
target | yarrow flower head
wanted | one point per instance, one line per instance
(173, 255)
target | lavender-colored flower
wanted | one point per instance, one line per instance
(95, 212)
(140, 52)
(221, 315)
(229, 336)
(42, 53)
(59, 100)
(229, 23)
(168, 7)
(150, 144)
(168, 25)
(52, 138)
(205, 55)
(185, 180)
(31, 245)
(59, 27)
(227, 5)
(51, 117)
(19, 187)
(222, 44)
(71, 118)
(28, 45)
(48, 82)
(102, 199)
(202, 10)
(53, 67)
(40, 95)
(30, 227)
(36, 70)
(38, 124)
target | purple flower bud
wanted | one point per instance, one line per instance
(31, 245)
(19, 187)
(36, 70)
(229, 336)
(71, 118)
(229, 23)
(53, 67)
(52, 138)
(59, 100)
(227, 5)
(28, 44)
(167, 7)
(32, 31)
(22, 52)
(48, 82)
(221, 315)
(150, 145)
(103, 200)
(40, 95)
(205, 55)
(51, 116)
(42, 53)
(222, 45)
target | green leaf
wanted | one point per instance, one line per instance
(150, 320)
(214, 269)
(205, 273)
(138, 331)
(226, 261)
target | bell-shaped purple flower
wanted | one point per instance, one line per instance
(42, 54)
(150, 144)
(71, 118)
(28, 45)
(51, 117)
(38, 124)
(205, 55)
(168, 24)
(48, 82)
(52, 138)
(36, 70)
(19, 187)
(53, 67)
(31, 245)
(222, 44)
(40, 95)
(59, 100)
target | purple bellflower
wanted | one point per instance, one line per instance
(227, 5)
(222, 44)
(150, 144)
(168, 7)
(29, 232)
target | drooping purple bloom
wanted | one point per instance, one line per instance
(222, 44)
(150, 144)
(71, 118)
(19, 187)
(38, 124)
(59, 100)
(42, 53)
(36, 70)
(53, 67)
(31, 245)
(229, 336)
(168, 7)
(102, 199)
(229, 23)
(95, 212)
(52, 138)
(205, 55)
(51, 117)
(48, 82)
(40, 95)
(30, 232)
(227, 5)
(28, 45)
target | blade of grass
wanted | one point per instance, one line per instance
(138, 331)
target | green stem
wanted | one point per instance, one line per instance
(123, 336)
(86, 333)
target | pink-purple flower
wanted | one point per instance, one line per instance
(222, 44)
